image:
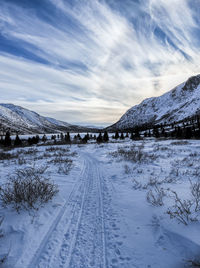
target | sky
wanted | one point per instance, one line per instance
(88, 61)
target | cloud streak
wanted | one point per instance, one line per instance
(89, 61)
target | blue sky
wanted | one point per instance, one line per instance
(88, 61)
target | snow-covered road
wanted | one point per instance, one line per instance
(77, 236)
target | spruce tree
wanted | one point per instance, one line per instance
(44, 138)
(30, 141)
(88, 136)
(105, 137)
(99, 138)
(116, 135)
(17, 141)
(67, 138)
(188, 133)
(132, 136)
(137, 134)
(37, 138)
(179, 133)
(85, 139)
(122, 136)
(156, 132)
(7, 140)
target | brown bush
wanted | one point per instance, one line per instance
(27, 191)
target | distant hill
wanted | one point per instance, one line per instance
(23, 121)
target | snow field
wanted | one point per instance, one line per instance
(101, 217)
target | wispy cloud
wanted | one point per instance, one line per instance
(89, 61)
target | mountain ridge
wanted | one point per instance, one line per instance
(24, 121)
(177, 104)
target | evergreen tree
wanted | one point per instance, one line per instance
(85, 139)
(37, 139)
(127, 135)
(62, 136)
(53, 137)
(17, 141)
(188, 133)
(30, 141)
(99, 138)
(156, 132)
(122, 136)
(34, 140)
(105, 137)
(44, 138)
(163, 133)
(132, 136)
(116, 135)
(7, 140)
(88, 136)
(179, 133)
(137, 134)
(1, 140)
(67, 138)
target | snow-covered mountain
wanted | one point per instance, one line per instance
(24, 121)
(179, 103)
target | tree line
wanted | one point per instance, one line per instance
(185, 129)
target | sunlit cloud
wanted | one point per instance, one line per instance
(89, 61)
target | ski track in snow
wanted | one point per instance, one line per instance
(77, 236)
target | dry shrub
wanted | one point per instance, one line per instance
(136, 184)
(134, 154)
(183, 142)
(195, 191)
(65, 167)
(3, 257)
(194, 263)
(1, 231)
(182, 210)
(155, 196)
(7, 156)
(21, 161)
(127, 169)
(59, 160)
(56, 149)
(31, 171)
(27, 190)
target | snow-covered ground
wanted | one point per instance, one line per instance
(101, 217)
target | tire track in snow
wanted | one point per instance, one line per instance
(77, 236)
(84, 245)
(49, 243)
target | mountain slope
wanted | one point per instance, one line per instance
(24, 121)
(177, 104)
